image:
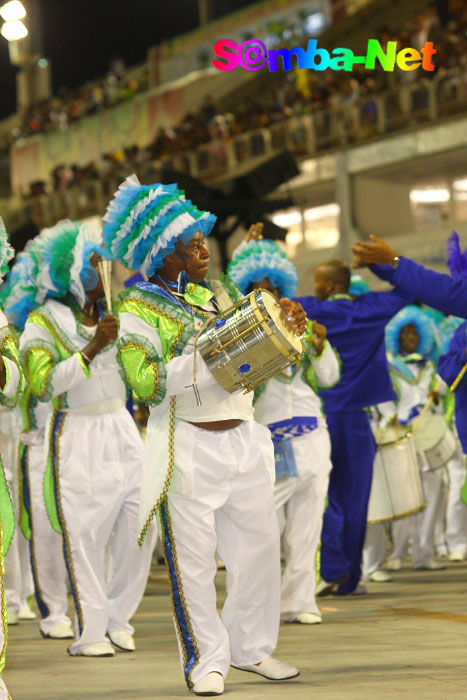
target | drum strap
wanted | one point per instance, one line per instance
(222, 295)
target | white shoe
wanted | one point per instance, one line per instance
(12, 618)
(379, 576)
(25, 613)
(99, 649)
(431, 565)
(59, 632)
(457, 556)
(304, 618)
(123, 640)
(273, 669)
(393, 564)
(210, 684)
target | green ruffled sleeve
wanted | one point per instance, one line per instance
(150, 336)
(9, 350)
(39, 359)
(144, 368)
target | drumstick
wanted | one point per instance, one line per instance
(459, 378)
(422, 415)
(105, 273)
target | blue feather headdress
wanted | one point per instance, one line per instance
(144, 223)
(358, 286)
(447, 331)
(19, 294)
(457, 260)
(258, 259)
(63, 253)
(425, 326)
(54, 264)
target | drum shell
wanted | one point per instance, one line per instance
(396, 490)
(267, 353)
(441, 452)
(435, 440)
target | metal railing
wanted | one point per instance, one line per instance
(306, 135)
(401, 107)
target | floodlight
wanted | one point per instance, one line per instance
(13, 11)
(13, 31)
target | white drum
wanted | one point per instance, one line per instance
(433, 437)
(396, 490)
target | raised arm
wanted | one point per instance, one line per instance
(438, 290)
(325, 361)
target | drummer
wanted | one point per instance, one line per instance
(209, 468)
(290, 406)
(410, 341)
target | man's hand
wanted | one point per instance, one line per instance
(106, 333)
(255, 232)
(435, 396)
(295, 314)
(377, 253)
(319, 335)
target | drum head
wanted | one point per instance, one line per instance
(430, 431)
(389, 435)
(277, 314)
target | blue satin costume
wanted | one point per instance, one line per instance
(449, 366)
(356, 330)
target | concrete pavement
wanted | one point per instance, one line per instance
(405, 640)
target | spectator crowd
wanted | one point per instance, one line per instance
(287, 94)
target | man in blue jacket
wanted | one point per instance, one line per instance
(356, 330)
(449, 366)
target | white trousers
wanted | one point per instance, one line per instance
(46, 544)
(18, 580)
(98, 463)
(374, 551)
(303, 500)
(420, 527)
(221, 497)
(451, 520)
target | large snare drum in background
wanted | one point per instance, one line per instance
(396, 490)
(434, 438)
(249, 343)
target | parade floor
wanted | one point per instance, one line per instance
(405, 639)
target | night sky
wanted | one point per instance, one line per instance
(82, 36)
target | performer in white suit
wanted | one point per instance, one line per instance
(290, 406)
(19, 295)
(410, 340)
(209, 468)
(93, 475)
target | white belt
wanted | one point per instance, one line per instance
(97, 407)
